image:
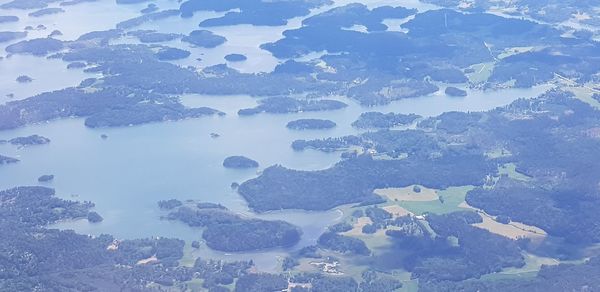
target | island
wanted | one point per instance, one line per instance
(46, 11)
(75, 2)
(377, 120)
(169, 204)
(55, 33)
(7, 160)
(94, 217)
(328, 144)
(453, 91)
(145, 113)
(239, 162)
(226, 231)
(253, 12)
(24, 5)
(281, 105)
(37, 47)
(170, 54)
(29, 140)
(137, 21)
(235, 58)
(204, 39)
(151, 36)
(24, 79)
(131, 1)
(149, 9)
(310, 124)
(76, 65)
(46, 178)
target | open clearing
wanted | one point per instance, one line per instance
(448, 202)
(396, 211)
(514, 230)
(358, 225)
(408, 194)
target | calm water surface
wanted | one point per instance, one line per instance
(126, 174)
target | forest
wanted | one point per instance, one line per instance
(227, 231)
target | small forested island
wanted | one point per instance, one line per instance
(453, 91)
(208, 205)
(268, 13)
(326, 145)
(7, 160)
(310, 124)
(100, 35)
(24, 79)
(46, 178)
(377, 120)
(29, 140)
(131, 1)
(235, 58)
(28, 4)
(46, 11)
(37, 27)
(76, 65)
(75, 2)
(149, 9)
(152, 36)
(204, 38)
(169, 54)
(343, 244)
(169, 204)
(55, 33)
(145, 113)
(137, 21)
(38, 47)
(239, 162)
(226, 231)
(94, 217)
(281, 105)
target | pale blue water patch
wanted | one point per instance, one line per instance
(476, 100)
(431, 105)
(77, 19)
(416, 4)
(135, 167)
(47, 74)
(241, 39)
(244, 39)
(100, 15)
(126, 174)
(395, 24)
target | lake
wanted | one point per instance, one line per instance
(126, 174)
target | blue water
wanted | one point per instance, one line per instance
(126, 174)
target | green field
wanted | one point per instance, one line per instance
(452, 197)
